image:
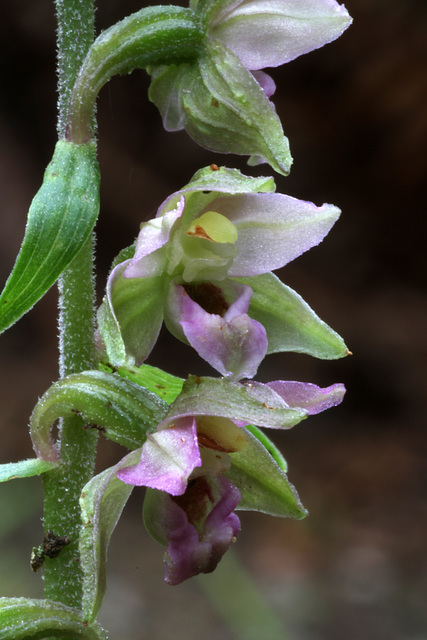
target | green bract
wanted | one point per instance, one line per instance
(60, 220)
(124, 410)
(31, 619)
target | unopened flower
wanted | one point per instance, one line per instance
(222, 97)
(196, 266)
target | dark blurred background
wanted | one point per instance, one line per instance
(356, 115)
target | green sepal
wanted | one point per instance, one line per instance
(24, 469)
(32, 619)
(60, 220)
(211, 182)
(230, 181)
(263, 485)
(102, 502)
(222, 397)
(291, 325)
(124, 411)
(269, 445)
(163, 384)
(130, 306)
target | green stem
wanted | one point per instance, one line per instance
(63, 577)
(152, 36)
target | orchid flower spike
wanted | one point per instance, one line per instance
(185, 463)
(201, 265)
(222, 97)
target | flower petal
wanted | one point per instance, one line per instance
(269, 33)
(308, 396)
(273, 229)
(167, 459)
(266, 82)
(234, 344)
(149, 260)
(198, 527)
(130, 317)
(221, 397)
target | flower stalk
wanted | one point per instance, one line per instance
(152, 36)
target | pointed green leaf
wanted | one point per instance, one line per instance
(290, 323)
(124, 410)
(24, 469)
(60, 219)
(263, 484)
(27, 619)
(102, 502)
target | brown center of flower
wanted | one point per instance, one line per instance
(208, 296)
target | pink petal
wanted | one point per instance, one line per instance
(310, 397)
(269, 33)
(168, 457)
(148, 259)
(234, 344)
(273, 229)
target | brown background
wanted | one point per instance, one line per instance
(356, 116)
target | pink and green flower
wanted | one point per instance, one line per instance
(203, 266)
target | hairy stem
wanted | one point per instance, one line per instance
(63, 577)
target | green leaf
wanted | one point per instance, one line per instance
(290, 323)
(124, 410)
(24, 469)
(27, 619)
(60, 219)
(263, 484)
(102, 502)
(163, 384)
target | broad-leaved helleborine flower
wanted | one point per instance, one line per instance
(189, 507)
(222, 97)
(197, 265)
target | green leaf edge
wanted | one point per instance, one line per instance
(25, 469)
(35, 619)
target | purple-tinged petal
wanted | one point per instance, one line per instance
(308, 396)
(240, 403)
(234, 345)
(149, 260)
(269, 33)
(273, 229)
(186, 554)
(167, 459)
(265, 394)
(266, 82)
(198, 544)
